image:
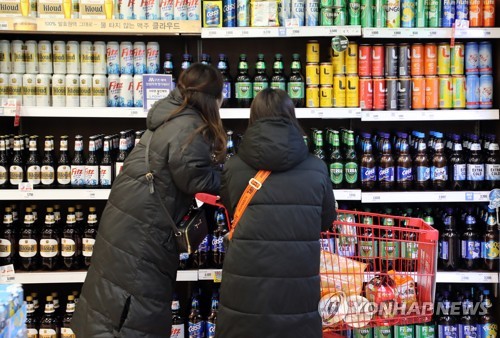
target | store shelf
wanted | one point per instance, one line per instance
(347, 194)
(424, 196)
(54, 194)
(99, 26)
(301, 113)
(430, 115)
(282, 32)
(76, 112)
(466, 277)
(431, 33)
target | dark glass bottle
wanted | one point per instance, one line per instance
(449, 246)
(28, 246)
(336, 162)
(47, 171)
(89, 235)
(467, 326)
(63, 164)
(17, 168)
(227, 82)
(49, 242)
(446, 323)
(278, 79)
(260, 79)
(66, 331)
(386, 167)
(196, 324)
(296, 84)
(48, 324)
(178, 325)
(388, 246)
(404, 171)
(212, 318)
(122, 154)
(456, 166)
(318, 145)
(32, 323)
(351, 174)
(439, 168)
(490, 245)
(8, 239)
(205, 59)
(475, 165)
(487, 326)
(4, 164)
(71, 242)
(243, 84)
(471, 244)
(92, 166)
(368, 175)
(168, 67)
(421, 164)
(368, 245)
(218, 250)
(187, 59)
(492, 167)
(78, 164)
(230, 149)
(106, 166)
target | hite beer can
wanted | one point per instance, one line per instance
(408, 13)
(29, 90)
(99, 57)
(338, 62)
(365, 61)
(153, 58)
(312, 51)
(351, 58)
(86, 57)
(339, 91)
(471, 58)
(472, 91)
(42, 88)
(4, 86)
(430, 59)
(113, 90)
(31, 57)
(18, 62)
(73, 57)
(378, 60)
(325, 96)
(380, 13)
(139, 54)
(404, 93)
(457, 59)
(404, 60)
(59, 90)
(379, 93)
(431, 92)
(5, 57)
(462, 10)
(59, 57)
(325, 73)
(312, 74)
(489, 13)
(126, 58)
(138, 102)
(391, 60)
(444, 59)
(417, 59)
(486, 91)
(458, 84)
(485, 58)
(45, 57)
(166, 9)
(312, 13)
(391, 84)
(16, 87)
(100, 90)
(352, 91)
(86, 90)
(366, 93)
(72, 90)
(126, 96)
(113, 57)
(393, 13)
(445, 92)
(312, 96)
(476, 13)
(448, 13)
(418, 92)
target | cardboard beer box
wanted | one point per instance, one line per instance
(96, 9)
(14, 8)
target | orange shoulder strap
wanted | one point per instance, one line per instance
(254, 184)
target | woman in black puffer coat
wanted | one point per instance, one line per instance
(270, 280)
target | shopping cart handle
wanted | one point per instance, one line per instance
(207, 198)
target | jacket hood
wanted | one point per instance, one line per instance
(162, 109)
(273, 144)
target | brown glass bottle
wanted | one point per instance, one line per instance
(89, 235)
(33, 163)
(439, 168)
(48, 323)
(66, 331)
(31, 319)
(49, 242)
(404, 170)
(17, 170)
(28, 246)
(47, 171)
(492, 167)
(63, 165)
(386, 167)
(490, 245)
(71, 242)
(422, 170)
(475, 165)
(7, 238)
(368, 174)
(4, 164)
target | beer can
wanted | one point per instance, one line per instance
(486, 91)
(404, 58)
(417, 59)
(325, 73)
(153, 58)
(445, 92)
(5, 57)
(366, 93)
(448, 13)
(485, 58)
(488, 13)
(312, 74)
(31, 57)
(312, 13)
(418, 92)
(298, 11)
(126, 58)
(338, 3)
(457, 59)
(18, 62)
(166, 9)
(59, 90)
(325, 96)
(431, 92)
(326, 3)
(422, 16)
(99, 57)
(391, 84)
(73, 57)
(430, 59)
(139, 10)
(312, 96)
(42, 88)
(16, 87)
(352, 91)
(193, 10)
(444, 59)
(126, 96)
(229, 13)
(380, 13)
(408, 13)
(379, 93)
(86, 58)
(339, 16)
(4, 86)
(339, 91)
(338, 62)
(462, 10)
(126, 9)
(365, 61)
(72, 90)
(351, 58)
(471, 58)
(100, 90)
(242, 13)
(458, 84)
(378, 60)
(86, 90)
(153, 10)
(29, 90)
(138, 100)
(113, 90)
(113, 57)
(366, 332)
(59, 57)
(404, 93)
(326, 16)
(354, 12)
(434, 13)
(139, 55)
(476, 13)
(391, 60)
(394, 13)
(366, 13)
(472, 91)
(312, 51)
(45, 57)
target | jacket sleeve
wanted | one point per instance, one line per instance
(225, 193)
(328, 213)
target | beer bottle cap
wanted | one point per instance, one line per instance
(71, 209)
(49, 299)
(29, 299)
(71, 297)
(29, 210)
(8, 209)
(91, 209)
(438, 134)
(49, 209)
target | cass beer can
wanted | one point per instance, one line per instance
(4, 86)
(139, 54)
(366, 93)
(73, 57)
(59, 57)
(16, 87)
(325, 96)
(339, 91)
(72, 90)
(86, 57)
(29, 90)
(126, 93)
(166, 9)
(312, 13)
(457, 59)
(351, 58)
(229, 13)
(378, 60)
(445, 92)
(404, 57)
(391, 60)
(472, 91)
(488, 13)
(312, 96)
(462, 10)
(365, 61)
(471, 58)
(113, 57)
(418, 92)
(444, 59)
(448, 13)
(394, 13)
(5, 57)
(312, 74)
(486, 91)
(42, 88)
(152, 58)
(100, 90)
(391, 84)
(408, 13)
(379, 93)
(417, 59)
(99, 57)
(31, 57)
(404, 93)
(312, 51)
(45, 57)
(138, 100)
(113, 90)
(458, 84)
(18, 61)
(59, 90)
(430, 59)
(126, 58)
(431, 92)
(338, 62)
(352, 91)
(86, 90)
(485, 58)
(325, 73)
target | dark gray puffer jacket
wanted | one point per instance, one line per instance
(270, 280)
(128, 289)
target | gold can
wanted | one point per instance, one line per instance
(312, 96)
(325, 96)
(339, 91)
(338, 62)
(312, 51)
(325, 74)
(351, 58)
(352, 91)
(312, 74)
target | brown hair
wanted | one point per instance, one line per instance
(201, 88)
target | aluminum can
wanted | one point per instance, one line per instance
(339, 16)
(138, 99)
(338, 3)
(126, 97)
(352, 91)
(458, 84)
(100, 90)
(418, 92)
(326, 16)
(312, 51)
(166, 9)
(434, 13)
(393, 13)
(229, 13)
(42, 88)
(339, 91)
(153, 10)
(73, 57)
(444, 59)
(365, 60)
(243, 13)
(488, 13)
(72, 90)
(422, 14)
(471, 58)
(113, 57)
(86, 90)
(448, 13)
(472, 91)
(298, 11)
(462, 10)
(486, 91)
(312, 74)
(338, 62)
(312, 96)
(16, 87)
(126, 9)
(312, 13)
(457, 59)
(45, 57)
(351, 58)
(18, 61)
(29, 90)
(485, 58)
(366, 13)
(430, 59)
(86, 57)
(391, 84)
(139, 10)
(5, 57)
(380, 13)
(31, 57)
(325, 96)
(4, 86)
(59, 90)
(391, 60)
(99, 57)
(476, 13)
(139, 54)
(153, 58)
(378, 60)
(59, 57)
(366, 93)
(326, 3)
(379, 93)
(445, 92)
(354, 11)
(193, 10)
(325, 74)
(408, 13)
(126, 58)
(113, 90)
(431, 92)
(404, 93)
(404, 60)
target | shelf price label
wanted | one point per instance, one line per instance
(464, 277)
(25, 187)
(205, 274)
(7, 273)
(442, 197)
(217, 276)
(91, 195)
(352, 195)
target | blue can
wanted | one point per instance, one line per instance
(229, 13)
(486, 91)
(312, 12)
(472, 91)
(243, 13)
(448, 17)
(462, 10)
(298, 11)
(471, 58)
(485, 58)
(212, 15)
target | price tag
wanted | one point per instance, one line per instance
(7, 273)
(375, 116)
(376, 198)
(375, 32)
(282, 31)
(397, 33)
(217, 276)
(352, 195)
(134, 113)
(442, 197)
(464, 277)
(487, 278)
(25, 186)
(4, 26)
(91, 195)
(212, 32)
(483, 197)
(229, 32)
(245, 32)
(414, 32)
(266, 32)
(205, 274)
(432, 33)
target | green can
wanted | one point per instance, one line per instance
(365, 332)
(422, 13)
(339, 3)
(354, 13)
(366, 13)
(426, 330)
(434, 13)
(380, 13)
(404, 331)
(382, 332)
(326, 16)
(339, 16)
(326, 3)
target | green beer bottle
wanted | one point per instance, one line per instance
(351, 163)
(336, 162)
(296, 82)
(318, 145)
(260, 80)
(278, 80)
(243, 84)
